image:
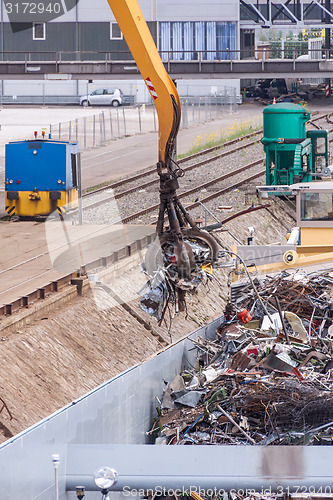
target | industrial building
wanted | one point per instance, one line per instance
(183, 30)
(91, 30)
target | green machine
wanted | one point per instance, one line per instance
(292, 154)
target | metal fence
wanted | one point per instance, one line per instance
(98, 129)
(274, 49)
(46, 100)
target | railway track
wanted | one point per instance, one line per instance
(204, 185)
(152, 171)
(155, 180)
(234, 179)
(199, 164)
(45, 270)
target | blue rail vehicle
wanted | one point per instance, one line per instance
(41, 176)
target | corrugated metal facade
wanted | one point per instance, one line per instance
(87, 26)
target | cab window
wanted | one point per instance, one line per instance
(316, 206)
(320, 145)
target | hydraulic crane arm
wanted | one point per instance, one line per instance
(165, 96)
(163, 91)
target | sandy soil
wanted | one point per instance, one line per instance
(61, 355)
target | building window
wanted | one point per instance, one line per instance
(115, 33)
(209, 40)
(38, 31)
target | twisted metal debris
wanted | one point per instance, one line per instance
(264, 379)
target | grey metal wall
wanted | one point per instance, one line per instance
(100, 11)
(58, 37)
(106, 427)
(91, 36)
(96, 36)
(118, 412)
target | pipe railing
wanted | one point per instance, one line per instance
(260, 52)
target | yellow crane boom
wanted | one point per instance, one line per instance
(181, 227)
(162, 89)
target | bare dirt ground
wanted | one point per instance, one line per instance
(62, 354)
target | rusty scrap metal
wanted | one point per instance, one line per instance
(263, 387)
(281, 318)
(246, 211)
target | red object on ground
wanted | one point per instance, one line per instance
(252, 350)
(244, 316)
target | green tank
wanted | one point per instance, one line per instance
(288, 150)
(285, 120)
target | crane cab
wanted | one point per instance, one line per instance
(314, 212)
(311, 242)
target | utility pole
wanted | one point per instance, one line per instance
(328, 42)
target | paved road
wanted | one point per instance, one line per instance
(46, 253)
(119, 157)
(23, 241)
(122, 156)
(131, 154)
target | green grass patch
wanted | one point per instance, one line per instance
(104, 184)
(218, 138)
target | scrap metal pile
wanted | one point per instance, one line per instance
(267, 377)
(168, 282)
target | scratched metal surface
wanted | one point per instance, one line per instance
(118, 412)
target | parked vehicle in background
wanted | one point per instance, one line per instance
(103, 97)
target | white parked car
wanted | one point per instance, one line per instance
(103, 97)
